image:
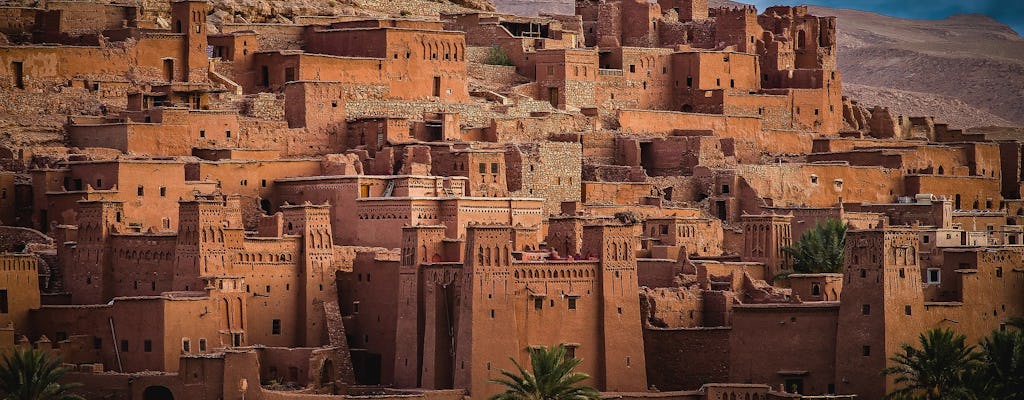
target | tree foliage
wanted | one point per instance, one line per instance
(497, 56)
(1002, 371)
(29, 374)
(945, 367)
(551, 377)
(819, 250)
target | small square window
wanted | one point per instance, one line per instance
(483, 168)
(866, 351)
(186, 345)
(999, 272)
(538, 304)
(632, 68)
(934, 275)
(163, 191)
(494, 168)
(907, 310)
(865, 309)
(141, 191)
(147, 346)
(202, 344)
(572, 303)
(275, 327)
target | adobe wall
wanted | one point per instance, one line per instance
(19, 286)
(687, 358)
(785, 341)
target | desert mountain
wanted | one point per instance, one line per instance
(967, 70)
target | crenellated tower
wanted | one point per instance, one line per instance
(312, 223)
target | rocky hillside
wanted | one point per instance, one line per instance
(967, 70)
(967, 58)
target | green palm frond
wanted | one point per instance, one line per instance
(29, 374)
(551, 377)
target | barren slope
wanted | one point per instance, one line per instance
(966, 70)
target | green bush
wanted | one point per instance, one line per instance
(497, 56)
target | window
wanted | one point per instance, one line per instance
(202, 133)
(268, 286)
(689, 81)
(202, 344)
(865, 309)
(18, 70)
(718, 82)
(141, 191)
(124, 345)
(186, 346)
(437, 86)
(3, 302)
(275, 327)
(664, 229)
(97, 343)
(863, 273)
(925, 239)
(538, 304)
(572, 303)
(934, 275)
(815, 289)
(492, 313)
(999, 272)
(147, 346)
(632, 68)
(227, 134)
(725, 189)
(263, 183)
(907, 309)
(355, 307)
(163, 191)
(866, 351)
(494, 168)
(483, 168)
(903, 273)
(570, 352)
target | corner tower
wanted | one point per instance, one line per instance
(189, 18)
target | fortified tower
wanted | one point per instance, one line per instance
(312, 223)
(90, 266)
(616, 245)
(880, 308)
(422, 244)
(189, 17)
(486, 325)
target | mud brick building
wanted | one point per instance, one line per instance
(386, 204)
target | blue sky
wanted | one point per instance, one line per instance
(1009, 12)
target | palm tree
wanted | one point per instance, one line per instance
(551, 378)
(819, 250)
(1002, 370)
(29, 374)
(939, 370)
